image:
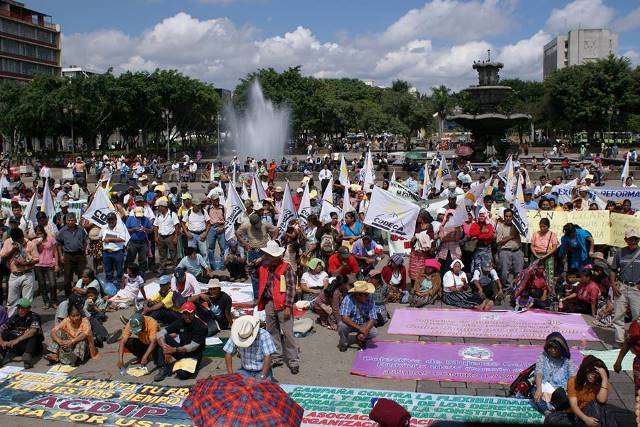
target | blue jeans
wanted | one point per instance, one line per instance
(252, 255)
(201, 246)
(254, 374)
(113, 261)
(214, 237)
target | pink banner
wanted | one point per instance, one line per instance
(530, 325)
(475, 363)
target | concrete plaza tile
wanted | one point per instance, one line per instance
(465, 391)
(452, 384)
(430, 387)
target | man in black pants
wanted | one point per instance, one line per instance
(139, 336)
(192, 333)
(21, 335)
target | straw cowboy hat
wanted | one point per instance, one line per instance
(213, 283)
(362, 287)
(244, 331)
(273, 249)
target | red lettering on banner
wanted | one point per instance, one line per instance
(47, 402)
(104, 408)
(70, 405)
(149, 410)
(127, 410)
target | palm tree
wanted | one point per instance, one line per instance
(441, 100)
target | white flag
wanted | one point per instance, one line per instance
(460, 215)
(475, 193)
(304, 210)
(508, 169)
(245, 193)
(346, 201)
(368, 178)
(47, 201)
(257, 190)
(234, 174)
(99, 208)
(233, 208)
(520, 218)
(393, 175)
(328, 191)
(327, 204)
(426, 182)
(212, 172)
(509, 177)
(391, 213)
(442, 173)
(343, 178)
(288, 211)
(625, 170)
(565, 191)
(31, 210)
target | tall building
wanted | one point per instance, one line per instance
(29, 43)
(578, 47)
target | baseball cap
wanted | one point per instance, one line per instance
(136, 322)
(188, 307)
(138, 199)
(631, 232)
(164, 280)
(24, 303)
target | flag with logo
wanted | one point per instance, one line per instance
(304, 210)
(459, 216)
(327, 204)
(233, 208)
(475, 193)
(441, 173)
(391, 213)
(520, 218)
(343, 178)
(400, 190)
(100, 206)
(565, 191)
(257, 190)
(288, 211)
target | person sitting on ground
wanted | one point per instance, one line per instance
(189, 343)
(254, 346)
(428, 285)
(72, 339)
(194, 263)
(314, 280)
(235, 261)
(327, 304)
(184, 283)
(524, 302)
(486, 281)
(380, 297)
(132, 284)
(537, 287)
(21, 335)
(342, 263)
(94, 309)
(394, 274)
(139, 338)
(213, 307)
(554, 367)
(358, 314)
(363, 250)
(86, 281)
(456, 290)
(570, 284)
(163, 306)
(585, 298)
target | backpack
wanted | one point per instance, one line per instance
(327, 243)
(522, 386)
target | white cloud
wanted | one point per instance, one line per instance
(629, 22)
(634, 57)
(580, 14)
(218, 51)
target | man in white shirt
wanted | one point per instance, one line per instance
(166, 228)
(452, 190)
(464, 176)
(114, 239)
(324, 176)
(197, 225)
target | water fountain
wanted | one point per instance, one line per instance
(487, 126)
(262, 130)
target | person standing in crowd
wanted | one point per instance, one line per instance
(114, 239)
(544, 243)
(253, 236)
(47, 267)
(22, 256)
(139, 227)
(197, 225)
(509, 245)
(21, 335)
(624, 279)
(72, 246)
(166, 231)
(577, 245)
(255, 347)
(215, 237)
(276, 294)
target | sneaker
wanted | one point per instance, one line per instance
(294, 370)
(27, 360)
(114, 337)
(164, 373)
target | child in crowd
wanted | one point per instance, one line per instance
(537, 287)
(569, 285)
(132, 283)
(524, 301)
(585, 298)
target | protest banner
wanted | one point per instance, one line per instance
(596, 222)
(304, 210)
(232, 210)
(619, 224)
(115, 403)
(99, 208)
(464, 362)
(530, 325)
(391, 213)
(618, 194)
(351, 406)
(288, 211)
(400, 190)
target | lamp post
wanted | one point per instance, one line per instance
(166, 115)
(71, 110)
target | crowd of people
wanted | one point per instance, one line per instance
(341, 268)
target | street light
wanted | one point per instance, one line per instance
(71, 110)
(166, 115)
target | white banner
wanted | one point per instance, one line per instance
(617, 194)
(564, 191)
(233, 208)
(369, 177)
(288, 211)
(304, 210)
(459, 216)
(391, 213)
(99, 208)
(402, 191)
(48, 206)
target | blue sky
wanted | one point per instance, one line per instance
(425, 42)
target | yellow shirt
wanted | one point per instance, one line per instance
(167, 301)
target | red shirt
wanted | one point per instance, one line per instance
(564, 163)
(335, 264)
(475, 231)
(537, 282)
(588, 293)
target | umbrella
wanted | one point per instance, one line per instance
(464, 151)
(241, 401)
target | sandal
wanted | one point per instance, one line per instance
(51, 358)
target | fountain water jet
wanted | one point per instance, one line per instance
(262, 130)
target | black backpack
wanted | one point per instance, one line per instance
(522, 387)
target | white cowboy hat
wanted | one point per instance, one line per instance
(273, 249)
(244, 331)
(362, 287)
(213, 283)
